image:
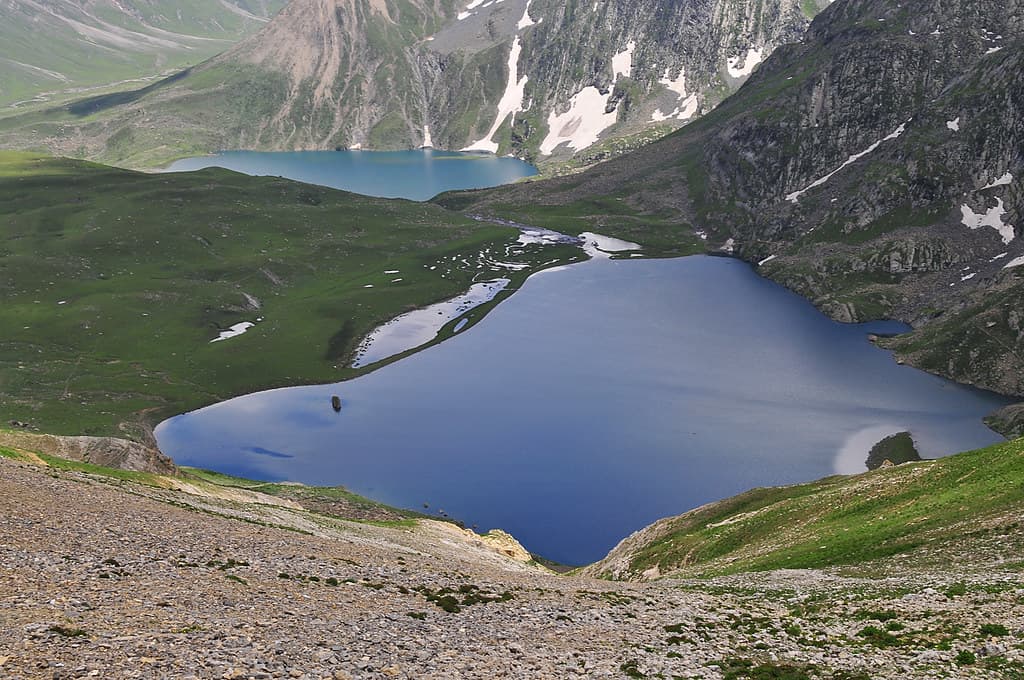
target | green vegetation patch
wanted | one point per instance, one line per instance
(846, 520)
(896, 449)
(114, 283)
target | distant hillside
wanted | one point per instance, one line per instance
(542, 79)
(52, 48)
(937, 513)
(874, 168)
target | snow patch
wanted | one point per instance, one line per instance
(1002, 181)
(539, 236)
(234, 331)
(729, 246)
(420, 326)
(992, 217)
(622, 63)
(582, 124)
(1015, 262)
(526, 21)
(510, 103)
(598, 246)
(954, 124)
(391, 271)
(688, 106)
(428, 143)
(678, 84)
(766, 260)
(795, 196)
(969, 276)
(992, 50)
(753, 57)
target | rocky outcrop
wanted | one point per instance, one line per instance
(1008, 421)
(105, 451)
(878, 164)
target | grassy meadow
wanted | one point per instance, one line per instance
(113, 284)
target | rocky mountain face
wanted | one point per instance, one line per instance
(105, 451)
(874, 167)
(53, 46)
(537, 78)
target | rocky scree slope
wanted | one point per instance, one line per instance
(537, 78)
(875, 168)
(159, 583)
(54, 47)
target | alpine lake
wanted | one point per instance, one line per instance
(598, 398)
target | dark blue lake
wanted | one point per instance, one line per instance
(416, 175)
(595, 400)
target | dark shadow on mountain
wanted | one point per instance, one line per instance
(87, 107)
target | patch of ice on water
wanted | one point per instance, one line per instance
(420, 326)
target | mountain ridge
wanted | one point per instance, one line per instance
(836, 169)
(539, 79)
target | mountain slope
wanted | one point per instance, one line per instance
(942, 512)
(113, 285)
(138, 575)
(53, 46)
(538, 78)
(874, 168)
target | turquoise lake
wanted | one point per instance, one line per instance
(598, 398)
(415, 175)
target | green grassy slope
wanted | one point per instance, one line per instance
(73, 45)
(929, 513)
(113, 283)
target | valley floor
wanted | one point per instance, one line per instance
(104, 577)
